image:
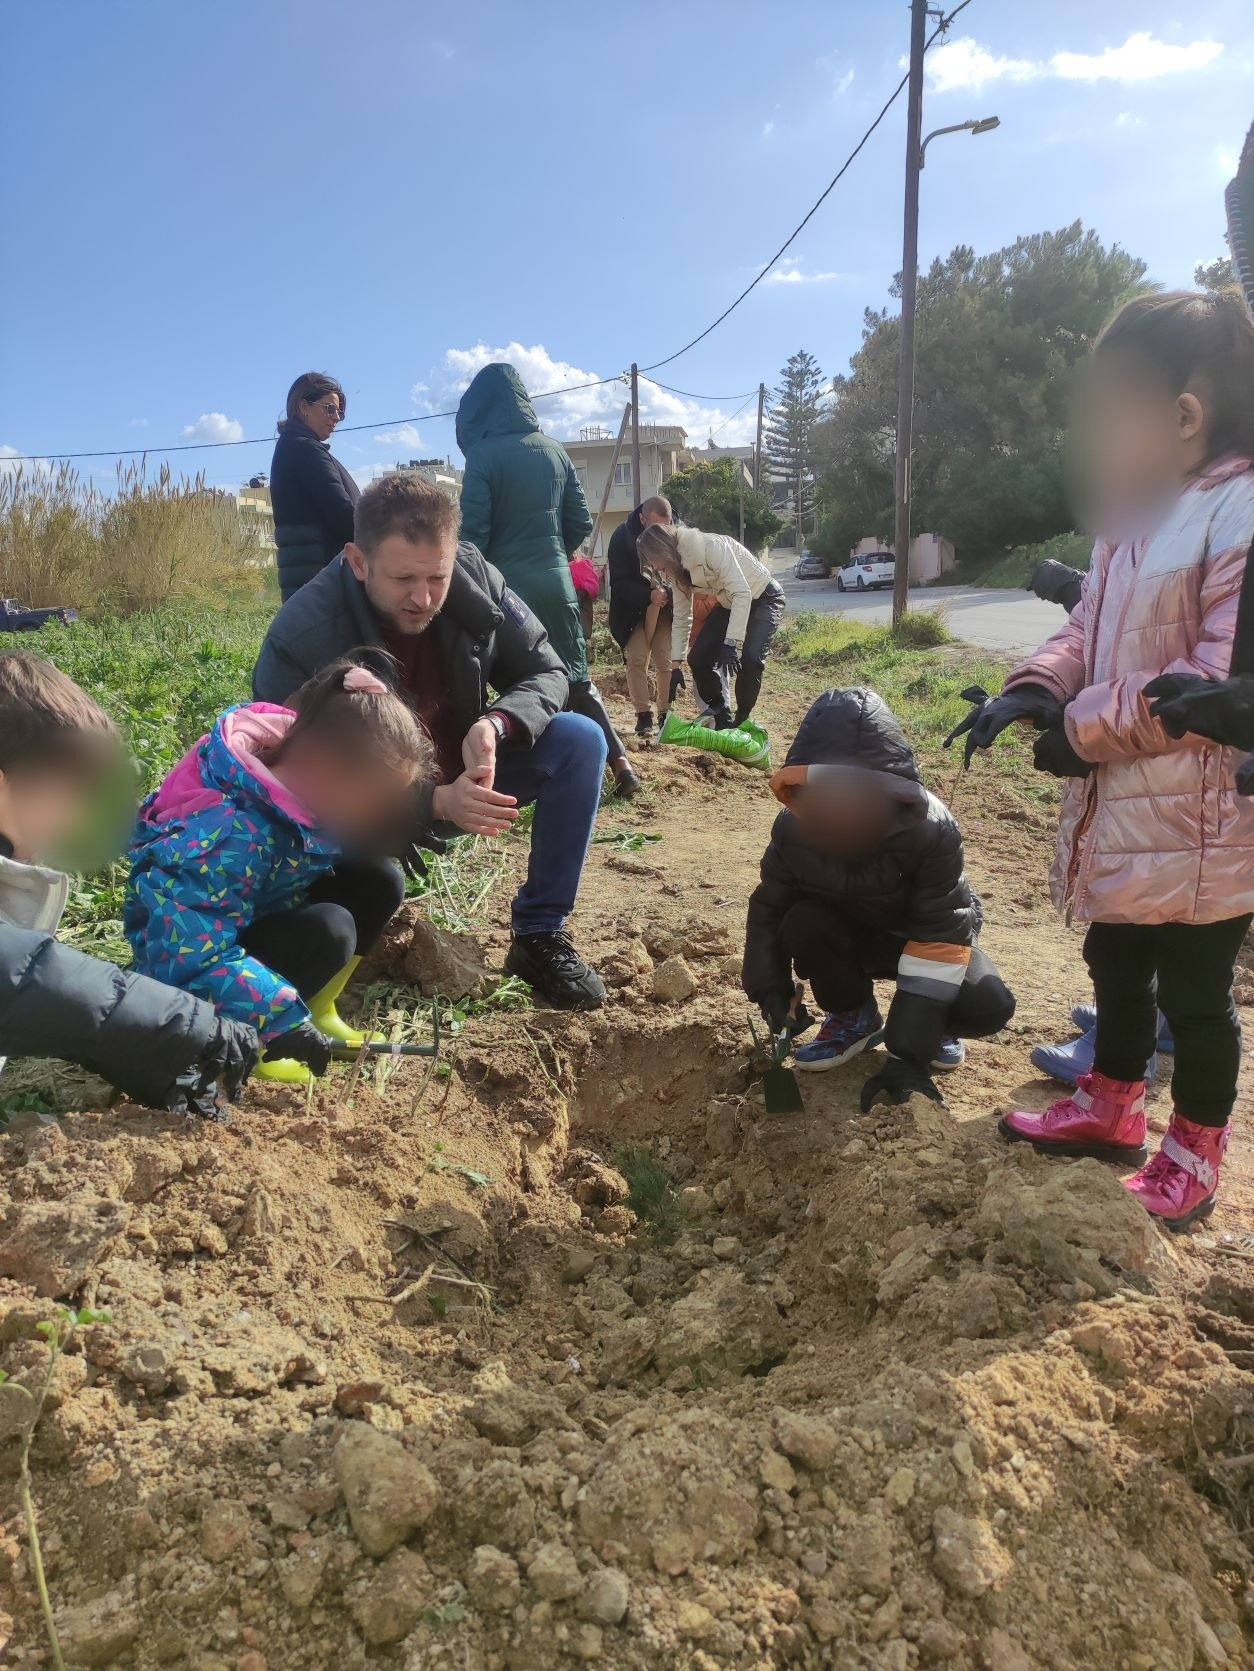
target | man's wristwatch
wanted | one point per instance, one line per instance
(500, 725)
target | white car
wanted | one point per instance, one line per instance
(860, 574)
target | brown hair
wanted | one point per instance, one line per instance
(405, 504)
(311, 386)
(48, 723)
(375, 722)
(657, 506)
(1196, 342)
(659, 542)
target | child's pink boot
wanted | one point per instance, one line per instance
(1102, 1117)
(1180, 1184)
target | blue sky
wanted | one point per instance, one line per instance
(209, 197)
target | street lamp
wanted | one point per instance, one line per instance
(982, 124)
(915, 148)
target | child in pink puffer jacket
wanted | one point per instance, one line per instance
(1155, 844)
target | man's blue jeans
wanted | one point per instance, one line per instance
(562, 773)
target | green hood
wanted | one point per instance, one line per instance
(496, 403)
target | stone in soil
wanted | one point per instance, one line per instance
(387, 1490)
(722, 1330)
(51, 1245)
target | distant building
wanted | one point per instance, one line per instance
(663, 450)
(439, 472)
(256, 513)
(710, 454)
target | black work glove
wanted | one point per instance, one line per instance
(1052, 752)
(1055, 582)
(303, 1044)
(992, 714)
(896, 1082)
(728, 658)
(678, 683)
(1221, 711)
(218, 1076)
(780, 1017)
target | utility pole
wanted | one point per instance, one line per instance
(909, 289)
(757, 457)
(637, 492)
(740, 477)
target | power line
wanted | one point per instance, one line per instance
(268, 440)
(814, 208)
(688, 394)
(752, 395)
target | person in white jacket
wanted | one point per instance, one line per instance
(736, 635)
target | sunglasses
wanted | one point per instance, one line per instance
(331, 408)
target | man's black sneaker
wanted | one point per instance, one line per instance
(554, 971)
(644, 725)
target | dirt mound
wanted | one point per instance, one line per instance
(579, 1357)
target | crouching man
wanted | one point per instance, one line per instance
(478, 669)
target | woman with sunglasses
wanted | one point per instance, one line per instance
(312, 493)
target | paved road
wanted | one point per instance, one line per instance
(994, 619)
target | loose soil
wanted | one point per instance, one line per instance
(446, 1376)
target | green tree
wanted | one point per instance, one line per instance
(788, 443)
(1215, 275)
(998, 339)
(708, 495)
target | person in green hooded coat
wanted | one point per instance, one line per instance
(523, 507)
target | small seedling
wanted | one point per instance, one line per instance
(56, 1331)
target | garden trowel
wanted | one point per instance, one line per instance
(780, 1090)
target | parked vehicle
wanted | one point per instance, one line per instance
(862, 574)
(810, 567)
(20, 617)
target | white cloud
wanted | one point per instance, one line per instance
(790, 271)
(10, 465)
(844, 83)
(1140, 58)
(768, 128)
(214, 426)
(567, 412)
(1126, 119)
(406, 436)
(967, 64)
(137, 423)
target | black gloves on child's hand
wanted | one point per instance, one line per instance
(304, 1044)
(218, 1076)
(897, 1082)
(1055, 582)
(728, 658)
(678, 683)
(992, 714)
(781, 1017)
(1052, 752)
(1221, 711)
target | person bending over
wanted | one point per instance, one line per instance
(158, 1046)
(863, 880)
(475, 665)
(257, 879)
(737, 633)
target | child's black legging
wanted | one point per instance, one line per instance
(344, 914)
(1185, 970)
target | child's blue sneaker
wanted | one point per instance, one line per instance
(841, 1037)
(1069, 1062)
(952, 1054)
(1084, 1016)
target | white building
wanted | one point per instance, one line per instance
(663, 450)
(439, 472)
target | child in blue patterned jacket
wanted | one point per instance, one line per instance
(258, 881)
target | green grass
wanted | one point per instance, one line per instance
(1015, 567)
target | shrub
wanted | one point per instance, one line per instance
(149, 544)
(1015, 568)
(921, 629)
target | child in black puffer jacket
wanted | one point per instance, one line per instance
(863, 880)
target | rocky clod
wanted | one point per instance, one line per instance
(51, 1245)
(723, 1329)
(674, 982)
(387, 1490)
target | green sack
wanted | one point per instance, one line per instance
(747, 743)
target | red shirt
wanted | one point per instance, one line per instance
(424, 682)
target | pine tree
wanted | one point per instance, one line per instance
(789, 439)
